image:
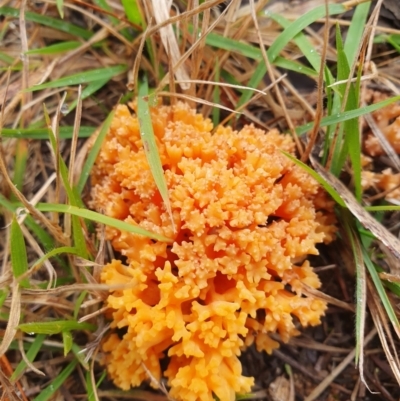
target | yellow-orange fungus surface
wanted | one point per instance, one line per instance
(245, 216)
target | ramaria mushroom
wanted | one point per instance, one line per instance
(246, 218)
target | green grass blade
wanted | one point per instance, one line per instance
(132, 12)
(100, 218)
(361, 283)
(19, 259)
(21, 158)
(33, 350)
(91, 88)
(94, 151)
(150, 146)
(51, 389)
(74, 200)
(301, 41)
(55, 49)
(380, 289)
(354, 34)
(351, 145)
(347, 115)
(55, 326)
(6, 58)
(45, 20)
(43, 133)
(298, 25)
(60, 8)
(67, 341)
(85, 77)
(56, 252)
(78, 303)
(44, 237)
(328, 188)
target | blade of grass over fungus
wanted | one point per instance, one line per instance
(45, 20)
(381, 232)
(43, 133)
(94, 151)
(150, 146)
(19, 258)
(100, 218)
(85, 77)
(55, 327)
(328, 188)
(347, 115)
(33, 350)
(55, 49)
(52, 388)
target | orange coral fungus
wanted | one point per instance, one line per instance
(245, 218)
(388, 121)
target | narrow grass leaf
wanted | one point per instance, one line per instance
(347, 115)
(19, 259)
(351, 145)
(94, 151)
(85, 77)
(101, 219)
(45, 20)
(74, 200)
(55, 252)
(55, 326)
(299, 24)
(67, 341)
(150, 146)
(3, 295)
(60, 8)
(55, 49)
(80, 356)
(381, 290)
(132, 12)
(91, 88)
(31, 353)
(302, 42)
(49, 392)
(21, 158)
(354, 33)
(78, 303)
(44, 237)
(385, 208)
(43, 133)
(6, 58)
(361, 285)
(328, 188)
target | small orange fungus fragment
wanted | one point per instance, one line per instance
(246, 218)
